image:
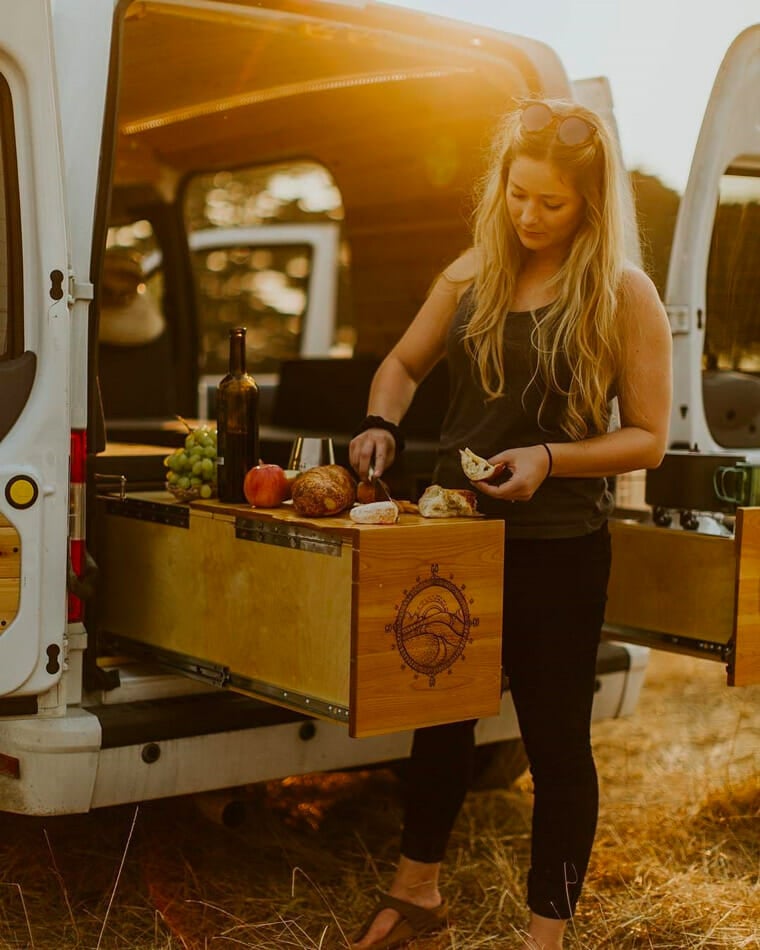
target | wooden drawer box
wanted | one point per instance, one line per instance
(382, 627)
(690, 592)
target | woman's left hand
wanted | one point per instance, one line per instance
(529, 467)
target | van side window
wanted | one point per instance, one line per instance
(731, 355)
(11, 315)
(134, 339)
(261, 287)
(253, 235)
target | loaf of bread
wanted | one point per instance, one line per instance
(324, 490)
(478, 469)
(375, 512)
(437, 502)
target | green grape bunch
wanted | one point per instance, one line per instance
(192, 468)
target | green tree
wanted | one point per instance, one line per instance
(656, 210)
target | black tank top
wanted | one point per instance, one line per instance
(561, 507)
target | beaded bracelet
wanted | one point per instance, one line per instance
(377, 422)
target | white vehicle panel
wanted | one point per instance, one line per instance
(37, 446)
(730, 132)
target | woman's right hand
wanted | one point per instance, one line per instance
(374, 447)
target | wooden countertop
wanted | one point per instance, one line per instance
(286, 514)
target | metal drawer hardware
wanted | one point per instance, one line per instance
(288, 536)
(177, 516)
(288, 697)
(654, 638)
(121, 479)
(222, 676)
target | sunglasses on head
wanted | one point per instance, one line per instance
(571, 129)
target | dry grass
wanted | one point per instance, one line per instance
(676, 863)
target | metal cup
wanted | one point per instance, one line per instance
(308, 452)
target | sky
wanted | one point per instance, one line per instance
(661, 57)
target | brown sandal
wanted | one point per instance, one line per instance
(415, 921)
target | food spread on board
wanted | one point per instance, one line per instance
(321, 491)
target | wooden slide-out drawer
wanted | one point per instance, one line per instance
(383, 627)
(688, 591)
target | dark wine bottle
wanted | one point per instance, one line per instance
(237, 423)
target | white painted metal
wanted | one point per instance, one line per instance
(38, 444)
(59, 762)
(65, 770)
(730, 130)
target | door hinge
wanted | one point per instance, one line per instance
(679, 318)
(79, 289)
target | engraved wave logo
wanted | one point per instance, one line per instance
(432, 625)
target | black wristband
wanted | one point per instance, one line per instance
(377, 422)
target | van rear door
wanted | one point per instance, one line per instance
(689, 590)
(34, 360)
(713, 288)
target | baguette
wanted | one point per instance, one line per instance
(478, 469)
(438, 502)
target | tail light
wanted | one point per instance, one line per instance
(77, 487)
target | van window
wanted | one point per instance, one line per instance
(246, 273)
(134, 341)
(138, 240)
(731, 355)
(732, 327)
(258, 286)
(11, 319)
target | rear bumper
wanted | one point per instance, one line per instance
(139, 749)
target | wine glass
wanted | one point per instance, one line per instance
(308, 452)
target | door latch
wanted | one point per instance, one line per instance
(79, 289)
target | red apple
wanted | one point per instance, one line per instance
(266, 486)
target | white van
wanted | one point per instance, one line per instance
(138, 127)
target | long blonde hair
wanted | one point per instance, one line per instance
(578, 329)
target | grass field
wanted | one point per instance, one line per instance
(676, 863)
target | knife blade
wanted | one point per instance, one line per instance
(382, 493)
(381, 490)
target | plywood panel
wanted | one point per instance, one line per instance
(342, 524)
(173, 61)
(428, 624)
(745, 668)
(675, 582)
(265, 612)
(10, 552)
(10, 573)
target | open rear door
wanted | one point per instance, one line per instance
(713, 289)
(685, 590)
(34, 359)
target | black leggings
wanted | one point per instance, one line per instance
(554, 599)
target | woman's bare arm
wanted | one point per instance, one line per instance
(411, 359)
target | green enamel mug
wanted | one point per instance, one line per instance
(738, 484)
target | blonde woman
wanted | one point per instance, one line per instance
(543, 322)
